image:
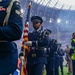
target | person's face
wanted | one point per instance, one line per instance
(36, 25)
(59, 46)
(49, 35)
(67, 46)
(73, 36)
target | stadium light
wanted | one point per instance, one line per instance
(67, 22)
(58, 20)
(51, 20)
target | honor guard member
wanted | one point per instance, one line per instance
(60, 54)
(59, 59)
(10, 30)
(51, 49)
(72, 52)
(37, 55)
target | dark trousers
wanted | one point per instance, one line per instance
(73, 67)
(50, 66)
(56, 68)
(35, 69)
(61, 66)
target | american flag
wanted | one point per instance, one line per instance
(25, 39)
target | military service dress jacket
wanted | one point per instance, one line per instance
(8, 33)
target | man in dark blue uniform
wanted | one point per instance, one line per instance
(60, 54)
(51, 49)
(10, 30)
(37, 55)
(59, 59)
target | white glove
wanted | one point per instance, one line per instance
(28, 43)
(22, 57)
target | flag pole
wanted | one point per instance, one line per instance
(24, 48)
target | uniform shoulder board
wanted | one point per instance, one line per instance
(17, 1)
(44, 32)
(18, 11)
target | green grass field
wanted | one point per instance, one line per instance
(65, 71)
